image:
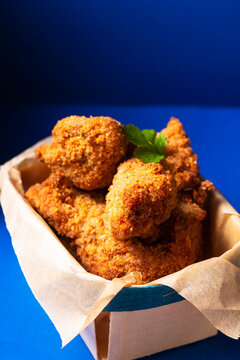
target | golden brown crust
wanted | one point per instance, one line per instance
(86, 151)
(102, 254)
(179, 244)
(189, 215)
(65, 208)
(179, 156)
(139, 199)
(143, 195)
(200, 193)
(152, 220)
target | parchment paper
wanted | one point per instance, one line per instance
(73, 298)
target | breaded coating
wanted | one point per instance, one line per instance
(200, 193)
(187, 209)
(86, 151)
(179, 245)
(151, 220)
(189, 215)
(179, 156)
(65, 208)
(140, 198)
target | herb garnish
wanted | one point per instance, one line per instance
(150, 145)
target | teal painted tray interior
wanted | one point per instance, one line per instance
(142, 298)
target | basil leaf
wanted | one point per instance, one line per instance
(160, 143)
(147, 156)
(134, 135)
(149, 135)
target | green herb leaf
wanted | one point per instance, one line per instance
(134, 135)
(147, 156)
(150, 148)
(149, 135)
(160, 143)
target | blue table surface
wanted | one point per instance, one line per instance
(25, 330)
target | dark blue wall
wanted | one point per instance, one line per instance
(126, 51)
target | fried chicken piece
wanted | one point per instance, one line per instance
(65, 208)
(86, 151)
(187, 209)
(200, 194)
(179, 156)
(140, 198)
(189, 214)
(179, 245)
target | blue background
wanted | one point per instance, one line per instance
(140, 62)
(121, 52)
